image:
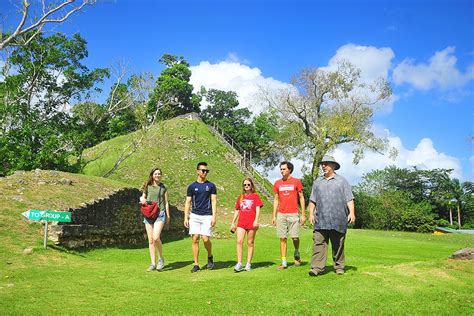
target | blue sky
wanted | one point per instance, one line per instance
(424, 48)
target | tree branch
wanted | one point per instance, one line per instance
(38, 25)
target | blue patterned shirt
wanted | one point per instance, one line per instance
(331, 197)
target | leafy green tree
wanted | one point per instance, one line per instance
(431, 187)
(35, 125)
(254, 134)
(326, 109)
(173, 94)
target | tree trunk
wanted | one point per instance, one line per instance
(315, 168)
(459, 215)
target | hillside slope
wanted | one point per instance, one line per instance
(43, 190)
(175, 146)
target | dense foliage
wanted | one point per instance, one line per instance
(412, 200)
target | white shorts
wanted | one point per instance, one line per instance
(200, 224)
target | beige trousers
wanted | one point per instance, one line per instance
(321, 239)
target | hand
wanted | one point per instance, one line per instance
(256, 225)
(274, 221)
(186, 223)
(302, 220)
(168, 219)
(351, 218)
(311, 219)
(213, 221)
(142, 200)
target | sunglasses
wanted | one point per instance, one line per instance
(247, 184)
(204, 170)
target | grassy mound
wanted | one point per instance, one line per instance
(175, 146)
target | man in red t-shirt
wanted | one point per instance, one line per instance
(288, 191)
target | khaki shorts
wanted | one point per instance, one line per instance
(288, 224)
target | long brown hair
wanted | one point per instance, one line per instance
(252, 188)
(150, 180)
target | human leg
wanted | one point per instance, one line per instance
(283, 254)
(282, 232)
(195, 247)
(240, 240)
(151, 246)
(318, 259)
(207, 244)
(157, 229)
(250, 244)
(337, 244)
(294, 232)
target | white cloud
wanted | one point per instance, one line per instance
(374, 63)
(234, 76)
(424, 156)
(439, 72)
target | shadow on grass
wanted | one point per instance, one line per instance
(75, 252)
(230, 264)
(330, 269)
(177, 265)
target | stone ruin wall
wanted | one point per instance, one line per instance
(112, 221)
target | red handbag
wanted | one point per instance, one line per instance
(150, 209)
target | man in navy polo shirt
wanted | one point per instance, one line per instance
(202, 195)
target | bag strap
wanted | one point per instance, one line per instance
(158, 197)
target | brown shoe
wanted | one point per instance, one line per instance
(297, 262)
(340, 271)
(282, 267)
(313, 272)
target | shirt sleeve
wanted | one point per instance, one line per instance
(258, 201)
(213, 189)
(348, 191)
(299, 186)
(237, 203)
(275, 188)
(312, 198)
(190, 190)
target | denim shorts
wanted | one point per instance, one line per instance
(161, 218)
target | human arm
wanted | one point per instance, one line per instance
(167, 208)
(312, 211)
(143, 198)
(214, 209)
(276, 202)
(303, 208)
(351, 217)
(234, 219)
(187, 206)
(257, 215)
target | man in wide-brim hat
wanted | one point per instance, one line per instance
(331, 207)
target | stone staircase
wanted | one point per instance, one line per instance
(240, 157)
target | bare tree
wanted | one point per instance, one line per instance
(324, 109)
(51, 12)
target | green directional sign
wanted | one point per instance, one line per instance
(38, 215)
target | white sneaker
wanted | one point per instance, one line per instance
(238, 267)
(161, 264)
(248, 266)
(151, 267)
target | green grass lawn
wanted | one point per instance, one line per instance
(387, 272)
